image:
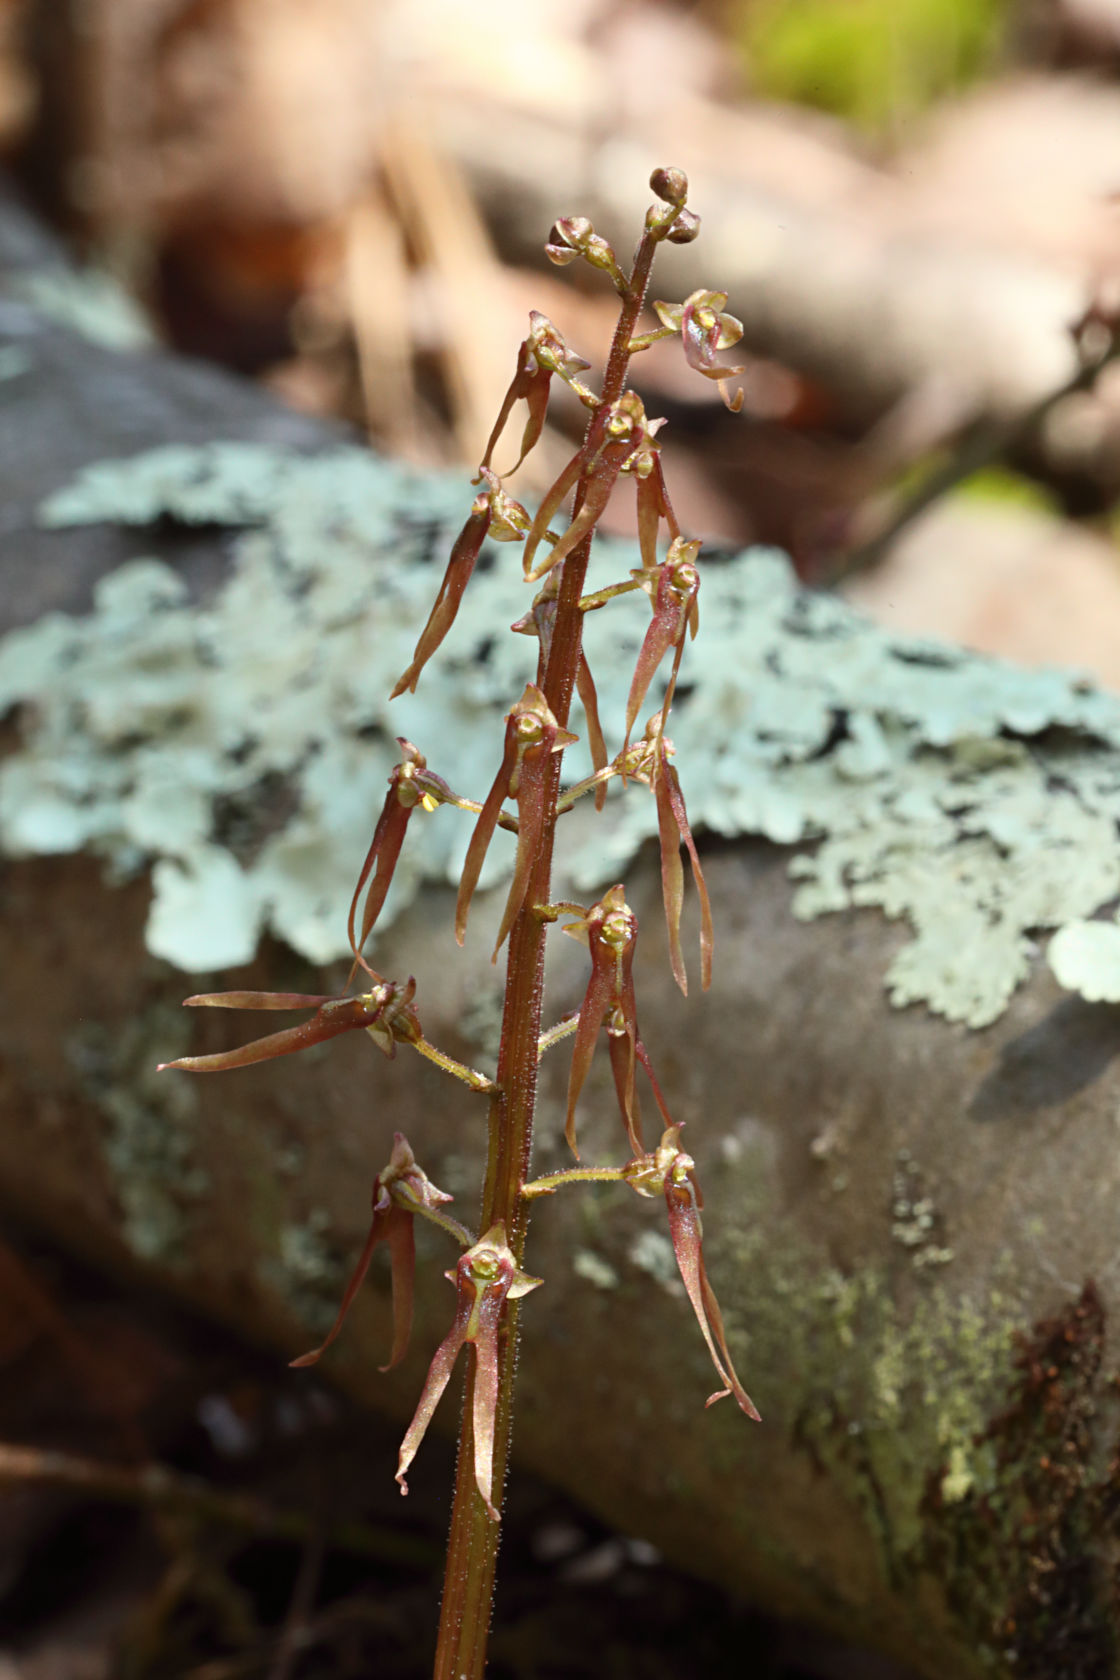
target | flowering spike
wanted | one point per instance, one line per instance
(461, 563)
(670, 1170)
(673, 590)
(611, 930)
(485, 1278)
(385, 1012)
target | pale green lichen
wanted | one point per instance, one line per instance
(148, 1137)
(594, 1269)
(307, 1271)
(1085, 957)
(85, 301)
(974, 801)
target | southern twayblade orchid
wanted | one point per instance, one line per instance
(401, 1190)
(650, 762)
(612, 439)
(532, 736)
(610, 930)
(485, 1278)
(493, 514)
(619, 439)
(460, 566)
(673, 588)
(705, 328)
(539, 621)
(539, 356)
(410, 784)
(384, 1011)
(670, 1170)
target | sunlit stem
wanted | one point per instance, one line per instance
(588, 603)
(644, 340)
(446, 1222)
(572, 1175)
(505, 820)
(469, 1076)
(563, 1029)
(553, 912)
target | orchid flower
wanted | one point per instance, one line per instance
(539, 621)
(649, 763)
(704, 329)
(493, 514)
(401, 1190)
(410, 784)
(385, 1012)
(539, 356)
(621, 429)
(532, 736)
(485, 1278)
(673, 589)
(460, 566)
(610, 930)
(670, 1170)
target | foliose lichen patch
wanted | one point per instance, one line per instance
(975, 801)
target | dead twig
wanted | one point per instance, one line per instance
(156, 1486)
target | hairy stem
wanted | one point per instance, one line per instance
(473, 1544)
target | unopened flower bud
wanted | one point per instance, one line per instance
(571, 230)
(685, 229)
(561, 255)
(671, 185)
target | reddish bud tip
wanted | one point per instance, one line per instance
(670, 185)
(685, 229)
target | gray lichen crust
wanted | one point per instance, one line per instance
(976, 801)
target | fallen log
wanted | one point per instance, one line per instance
(910, 1210)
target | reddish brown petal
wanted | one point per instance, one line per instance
(553, 499)
(384, 850)
(255, 1000)
(484, 832)
(589, 699)
(357, 1278)
(336, 1015)
(707, 931)
(596, 1003)
(672, 875)
(684, 1228)
(439, 1375)
(622, 1054)
(460, 566)
(485, 1409)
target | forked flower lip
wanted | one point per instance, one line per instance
(486, 1276)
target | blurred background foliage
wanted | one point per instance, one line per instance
(876, 63)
